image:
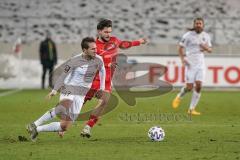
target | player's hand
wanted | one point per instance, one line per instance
(99, 94)
(204, 47)
(143, 40)
(51, 94)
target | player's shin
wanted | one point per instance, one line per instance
(92, 120)
(182, 92)
(49, 115)
(195, 99)
(51, 127)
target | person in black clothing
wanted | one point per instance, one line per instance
(48, 58)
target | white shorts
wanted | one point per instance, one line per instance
(194, 74)
(76, 107)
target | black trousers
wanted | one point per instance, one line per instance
(45, 69)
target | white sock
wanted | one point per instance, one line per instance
(195, 98)
(51, 127)
(49, 115)
(182, 92)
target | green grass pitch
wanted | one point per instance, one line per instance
(122, 133)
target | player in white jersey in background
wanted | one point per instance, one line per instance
(196, 43)
(78, 74)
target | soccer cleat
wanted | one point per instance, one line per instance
(176, 102)
(32, 130)
(86, 131)
(194, 112)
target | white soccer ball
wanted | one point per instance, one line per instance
(156, 133)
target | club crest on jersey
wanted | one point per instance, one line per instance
(67, 68)
(109, 46)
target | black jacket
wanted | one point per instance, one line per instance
(47, 59)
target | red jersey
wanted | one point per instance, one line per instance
(109, 51)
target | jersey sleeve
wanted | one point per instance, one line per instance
(102, 74)
(183, 41)
(123, 44)
(135, 43)
(67, 68)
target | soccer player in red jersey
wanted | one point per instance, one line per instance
(107, 47)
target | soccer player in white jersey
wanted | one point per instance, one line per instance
(78, 73)
(195, 43)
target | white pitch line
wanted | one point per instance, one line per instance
(9, 92)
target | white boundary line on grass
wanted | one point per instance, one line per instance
(9, 92)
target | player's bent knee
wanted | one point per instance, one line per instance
(189, 88)
(103, 102)
(198, 89)
(64, 127)
(65, 124)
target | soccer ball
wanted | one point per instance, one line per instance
(156, 133)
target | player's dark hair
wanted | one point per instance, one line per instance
(104, 23)
(85, 42)
(194, 21)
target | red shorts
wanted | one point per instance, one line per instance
(95, 87)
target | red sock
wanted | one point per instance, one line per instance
(92, 120)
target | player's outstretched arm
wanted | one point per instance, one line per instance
(129, 44)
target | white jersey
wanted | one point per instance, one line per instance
(191, 42)
(84, 74)
(80, 73)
